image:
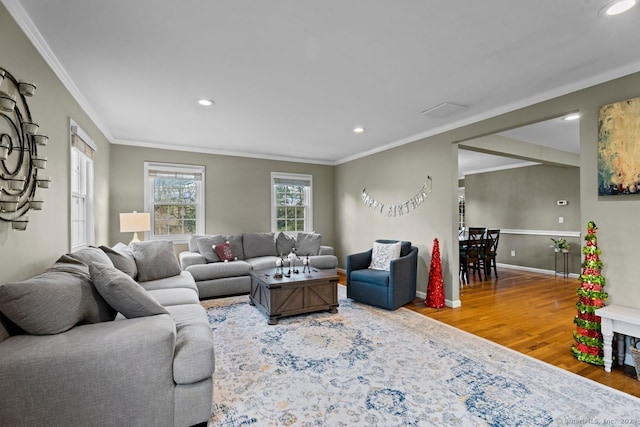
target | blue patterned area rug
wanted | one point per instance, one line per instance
(370, 367)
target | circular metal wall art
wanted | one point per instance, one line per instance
(21, 167)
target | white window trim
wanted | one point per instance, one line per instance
(308, 224)
(148, 197)
(89, 176)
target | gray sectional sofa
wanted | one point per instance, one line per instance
(245, 252)
(83, 344)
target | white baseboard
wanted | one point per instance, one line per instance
(534, 270)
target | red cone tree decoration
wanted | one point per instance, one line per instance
(591, 296)
(435, 291)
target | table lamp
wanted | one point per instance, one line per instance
(134, 222)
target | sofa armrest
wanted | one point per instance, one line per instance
(110, 373)
(191, 258)
(326, 250)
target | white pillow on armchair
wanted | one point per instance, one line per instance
(382, 255)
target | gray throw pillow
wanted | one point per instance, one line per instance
(123, 293)
(259, 244)
(206, 244)
(235, 241)
(308, 243)
(285, 243)
(122, 259)
(155, 259)
(193, 242)
(89, 255)
(53, 302)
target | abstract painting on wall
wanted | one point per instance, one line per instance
(619, 148)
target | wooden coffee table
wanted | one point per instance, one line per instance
(297, 294)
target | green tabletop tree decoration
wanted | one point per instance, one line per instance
(591, 296)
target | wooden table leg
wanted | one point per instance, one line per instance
(607, 335)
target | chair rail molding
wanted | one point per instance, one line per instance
(555, 233)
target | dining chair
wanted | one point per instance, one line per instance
(470, 252)
(488, 255)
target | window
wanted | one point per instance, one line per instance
(174, 196)
(291, 202)
(81, 215)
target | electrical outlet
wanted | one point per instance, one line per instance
(513, 253)
(561, 220)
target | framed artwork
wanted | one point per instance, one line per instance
(619, 148)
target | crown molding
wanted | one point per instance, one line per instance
(192, 149)
(527, 102)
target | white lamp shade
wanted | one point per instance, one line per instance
(132, 222)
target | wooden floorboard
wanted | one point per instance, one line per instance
(531, 313)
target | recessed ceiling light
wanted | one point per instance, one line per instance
(358, 129)
(573, 116)
(205, 102)
(617, 7)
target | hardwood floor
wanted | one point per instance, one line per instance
(531, 313)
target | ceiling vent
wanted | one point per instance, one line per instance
(444, 110)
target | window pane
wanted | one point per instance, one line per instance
(174, 190)
(174, 219)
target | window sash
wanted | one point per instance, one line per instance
(174, 222)
(82, 153)
(291, 202)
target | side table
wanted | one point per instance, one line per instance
(565, 263)
(623, 320)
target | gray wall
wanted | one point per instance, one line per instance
(393, 177)
(238, 195)
(23, 254)
(397, 170)
(525, 199)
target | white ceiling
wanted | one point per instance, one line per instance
(556, 133)
(292, 78)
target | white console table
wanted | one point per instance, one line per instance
(623, 320)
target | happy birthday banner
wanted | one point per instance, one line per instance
(402, 208)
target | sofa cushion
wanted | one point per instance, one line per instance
(155, 259)
(308, 243)
(123, 293)
(90, 254)
(284, 243)
(323, 261)
(205, 246)
(194, 358)
(263, 262)
(183, 280)
(259, 244)
(176, 296)
(54, 302)
(235, 240)
(383, 253)
(219, 269)
(122, 258)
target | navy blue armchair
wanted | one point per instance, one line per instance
(387, 289)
